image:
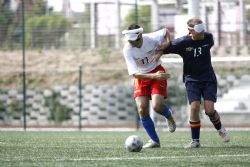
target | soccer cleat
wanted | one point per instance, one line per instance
(151, 144)
(193, 144)
(171, 124)
(224, 135)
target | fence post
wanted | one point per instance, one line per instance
(80, 97)
(24, 70)
(136, 12)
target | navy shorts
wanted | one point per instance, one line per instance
(198, 90)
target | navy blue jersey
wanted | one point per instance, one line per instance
(196, 57)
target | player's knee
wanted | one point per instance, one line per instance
(213, 115)
(142, 107)
(158, 108)
(143, 111)
(210, 113)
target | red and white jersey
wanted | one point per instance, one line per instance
(139, 60)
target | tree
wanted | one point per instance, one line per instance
(32, 8)
(144, 18)
(6, 19)
(41, 29)
(45, 31)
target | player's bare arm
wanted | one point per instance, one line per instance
(164, 45)
(160, 75)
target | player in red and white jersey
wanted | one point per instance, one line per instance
(150, 78)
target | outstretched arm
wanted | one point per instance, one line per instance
(166, 43)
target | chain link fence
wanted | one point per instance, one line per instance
(67, 84)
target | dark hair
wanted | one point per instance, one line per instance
(133, 26)
(193, 22)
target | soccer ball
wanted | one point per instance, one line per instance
(133, 143)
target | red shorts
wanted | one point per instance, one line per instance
(147, 87)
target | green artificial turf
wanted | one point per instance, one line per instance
(107, 149)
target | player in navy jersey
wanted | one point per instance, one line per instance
(198, 76)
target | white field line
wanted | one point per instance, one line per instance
(154, 158)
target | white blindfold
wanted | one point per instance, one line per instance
(132, 35)
(198, 27)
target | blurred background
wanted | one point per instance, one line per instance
(61, 61)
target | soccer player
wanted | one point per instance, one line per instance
(198, 76)
(150, 78)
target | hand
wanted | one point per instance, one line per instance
(161, 75)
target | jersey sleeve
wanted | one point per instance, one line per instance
(158, 36)
(211, 40)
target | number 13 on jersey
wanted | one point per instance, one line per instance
(197, 52)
